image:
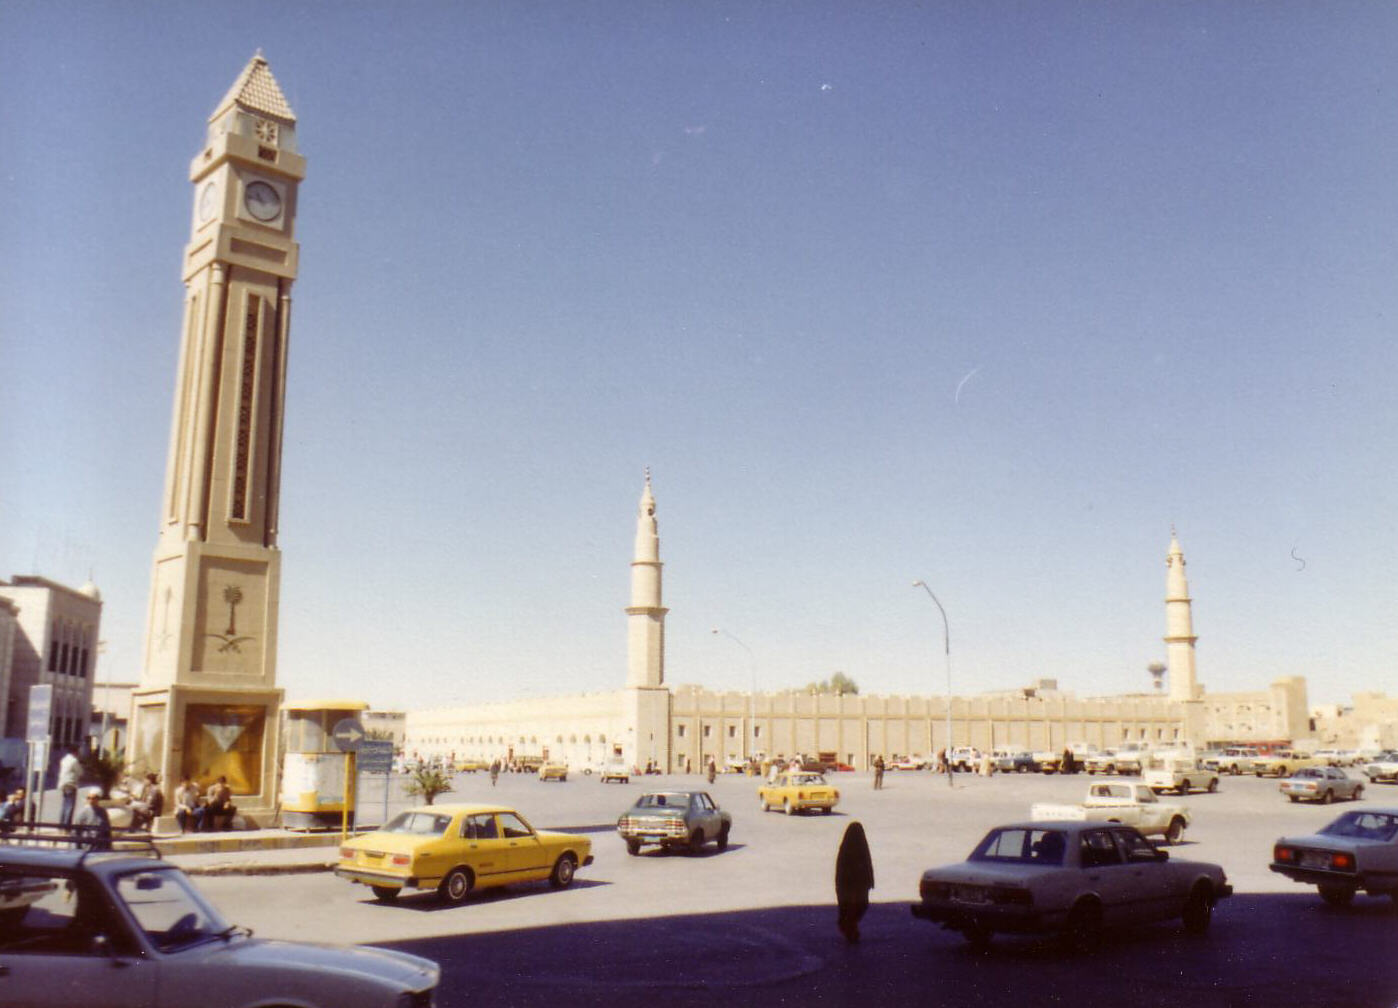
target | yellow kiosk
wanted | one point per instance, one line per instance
(318, 777)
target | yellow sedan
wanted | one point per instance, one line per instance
(798, 791)
(457, 848)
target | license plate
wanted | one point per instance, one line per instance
(969, 894)
(1314, 859)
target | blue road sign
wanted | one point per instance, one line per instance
(348, 734)
(375, 756)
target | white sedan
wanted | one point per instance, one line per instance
(1321, 784)
(1358, 851)
(112, 929)
(1070, 879)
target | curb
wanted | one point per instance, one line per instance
(253, 868)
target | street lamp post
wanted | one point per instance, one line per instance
(752, 696)
(946, 646)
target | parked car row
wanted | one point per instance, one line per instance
(1077, 880)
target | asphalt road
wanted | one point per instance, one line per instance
(756, 924)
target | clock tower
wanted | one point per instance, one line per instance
(208, 704)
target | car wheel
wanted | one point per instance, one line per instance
(1294, 798)
(1281, 772)
(1328, 797)
(633, 846)
(1198, 909)
(386, 893)
(1175, 831)
(1336, 895)
(786, 807)
(765, 806)
(723, 838)
(563, 870)
(456, 886)
(696, 843)
(1084, 929)
(1213, 784)
(1359, 792)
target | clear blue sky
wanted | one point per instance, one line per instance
(985, 294)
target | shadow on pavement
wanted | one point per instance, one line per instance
(1263, 950)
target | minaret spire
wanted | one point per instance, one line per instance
(646, 614)
(1179, 625)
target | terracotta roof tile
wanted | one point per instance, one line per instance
(256, 90)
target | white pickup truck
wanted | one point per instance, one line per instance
(1124, 802)
(1178, 774)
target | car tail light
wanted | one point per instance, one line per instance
(401, 860)
(1283, 855)
(1342, 862)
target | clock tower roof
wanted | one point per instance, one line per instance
(256, 91)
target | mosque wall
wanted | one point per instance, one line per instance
(586, 730)
(580, 730)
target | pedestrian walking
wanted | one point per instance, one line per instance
(68, 772)
(711, 771)
(854, 877)
(494, 772)
(878, 773)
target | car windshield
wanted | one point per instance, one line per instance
(418, 823)
(807, 779)
(1364, 826)
(169, 910)
(1021, 845)
(667, 799)
(1309, 772)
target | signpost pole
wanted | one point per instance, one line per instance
(349, 736)
(345, 800)
(37, 735)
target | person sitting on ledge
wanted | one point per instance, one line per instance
(189, 810)
(219, 812)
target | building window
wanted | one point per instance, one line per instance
(708, 730)
(242, 447)
(679, 731)
(732, 731)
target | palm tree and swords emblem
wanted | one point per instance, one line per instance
(233, 595)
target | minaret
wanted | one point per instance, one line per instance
(208, 703)
(646, 699)
(645, 650)
(1179, 626)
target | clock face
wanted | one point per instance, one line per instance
(262, 201)
(207, 198)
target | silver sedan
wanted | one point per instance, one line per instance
(1323, 784)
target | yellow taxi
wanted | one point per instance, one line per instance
(472, 765)
(553, 771)
(798, 791)
(457, 848)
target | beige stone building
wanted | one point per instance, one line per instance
(681, 727)
(52, 633)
